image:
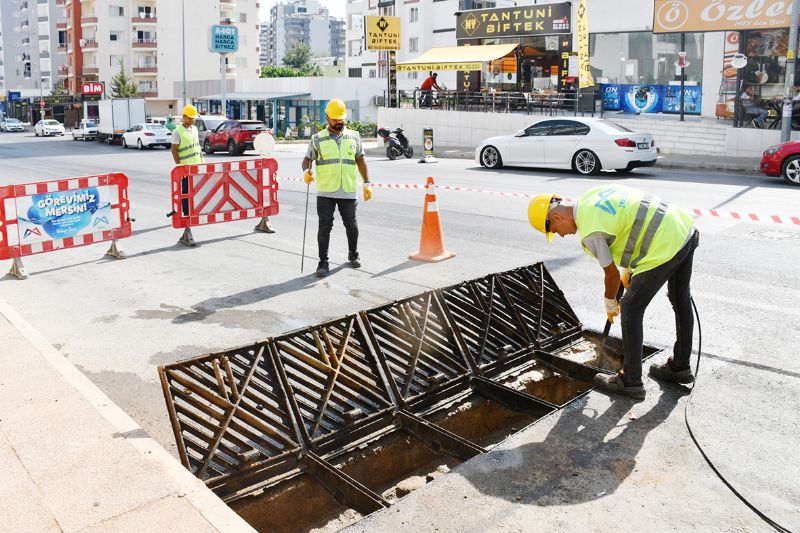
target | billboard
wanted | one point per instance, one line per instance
(549, 19)
(382, 33)
(675, 16)
(643, 98)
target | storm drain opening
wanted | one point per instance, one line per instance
(318, 427)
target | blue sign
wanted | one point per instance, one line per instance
(14, 95)
(224, 39)
(651, 98)
(62, 214)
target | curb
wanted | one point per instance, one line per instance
(676, 165)
(208, 504)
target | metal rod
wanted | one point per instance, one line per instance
(683, 76)
(305, 224)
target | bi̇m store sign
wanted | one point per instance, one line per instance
(548, 19)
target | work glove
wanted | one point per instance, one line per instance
(367, 192)
(626, 277)
(308, 177)
(612, 308)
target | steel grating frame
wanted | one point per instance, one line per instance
(252, 417)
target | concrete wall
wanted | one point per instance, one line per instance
(466, 129)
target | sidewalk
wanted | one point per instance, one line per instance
(74, 462)
(738, 165)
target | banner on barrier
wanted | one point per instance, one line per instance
(221, 192)
(51, 215)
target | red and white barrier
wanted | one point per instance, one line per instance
(211, 193)
(731, 215)
(53, 215)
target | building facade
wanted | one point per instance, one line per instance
(303, 21)
(263, 44)
(32, 51)
(153, 41)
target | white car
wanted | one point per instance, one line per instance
(11, 124)
(86, 129)
(147, 136)
(586, 145)
(48, 127)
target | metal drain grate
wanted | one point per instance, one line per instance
(255, 416)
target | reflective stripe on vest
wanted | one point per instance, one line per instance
(336, 163)
(189, 149)
(633, 221)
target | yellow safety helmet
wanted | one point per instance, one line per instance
(537, 213)
(336, 109)
(190, 111)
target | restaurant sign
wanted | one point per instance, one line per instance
(549, 19)
(676, 16)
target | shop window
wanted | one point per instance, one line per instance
(644, 57)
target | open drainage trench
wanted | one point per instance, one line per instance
(314, 429)
(398, 464)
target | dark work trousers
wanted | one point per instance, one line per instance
(347, 210)
(677, 274)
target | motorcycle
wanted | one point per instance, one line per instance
(396, 143)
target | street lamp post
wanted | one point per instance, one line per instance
(786, 124)
(183, 43)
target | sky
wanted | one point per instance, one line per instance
(335, 7)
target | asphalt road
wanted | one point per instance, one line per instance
(119, 320)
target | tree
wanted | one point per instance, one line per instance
(299, 57)
(59, 89)
(280, 72)
(122, 86)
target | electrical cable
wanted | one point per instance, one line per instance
(772, 523)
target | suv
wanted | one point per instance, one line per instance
(206, 124)
(235, 136)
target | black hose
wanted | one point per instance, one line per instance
(713, 467)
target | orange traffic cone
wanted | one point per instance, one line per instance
(431, 242)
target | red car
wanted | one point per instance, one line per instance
(235, 136)
(782, 160)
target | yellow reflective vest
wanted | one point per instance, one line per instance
(189, 150)
(647, 232)
(336, 163)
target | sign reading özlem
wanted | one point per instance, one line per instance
(223, 39)
(92, 87)
(675, 16)
(550, 19)
(382, 33)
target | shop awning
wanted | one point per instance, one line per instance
(456, 58)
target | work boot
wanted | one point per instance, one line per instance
(355, 260)
(615, 385)
(668, 372)
(323, 269)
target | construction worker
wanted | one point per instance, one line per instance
(337, 152)
(186, 141)
(654, 243)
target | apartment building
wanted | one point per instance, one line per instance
(153, 40)
(303, 21)
(31, 55)
(263, 44)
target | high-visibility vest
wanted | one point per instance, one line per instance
(336, 163)
(647, 232)
(189, 150)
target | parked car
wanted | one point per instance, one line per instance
(11, 124)
(48, 127)
(782, 160)
(85, 130)
(585, 145)
(235, 136)
(147, 136)
(206, 124)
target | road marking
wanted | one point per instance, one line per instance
(713, 213)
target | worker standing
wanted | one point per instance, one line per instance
(654, 243)
(186, 140)
(337, 151)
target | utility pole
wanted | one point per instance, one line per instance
(183, 39)
(791, 59)
(683, 77)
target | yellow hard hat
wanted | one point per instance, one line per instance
(537, 213)
(336, 109)
(190, 111)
